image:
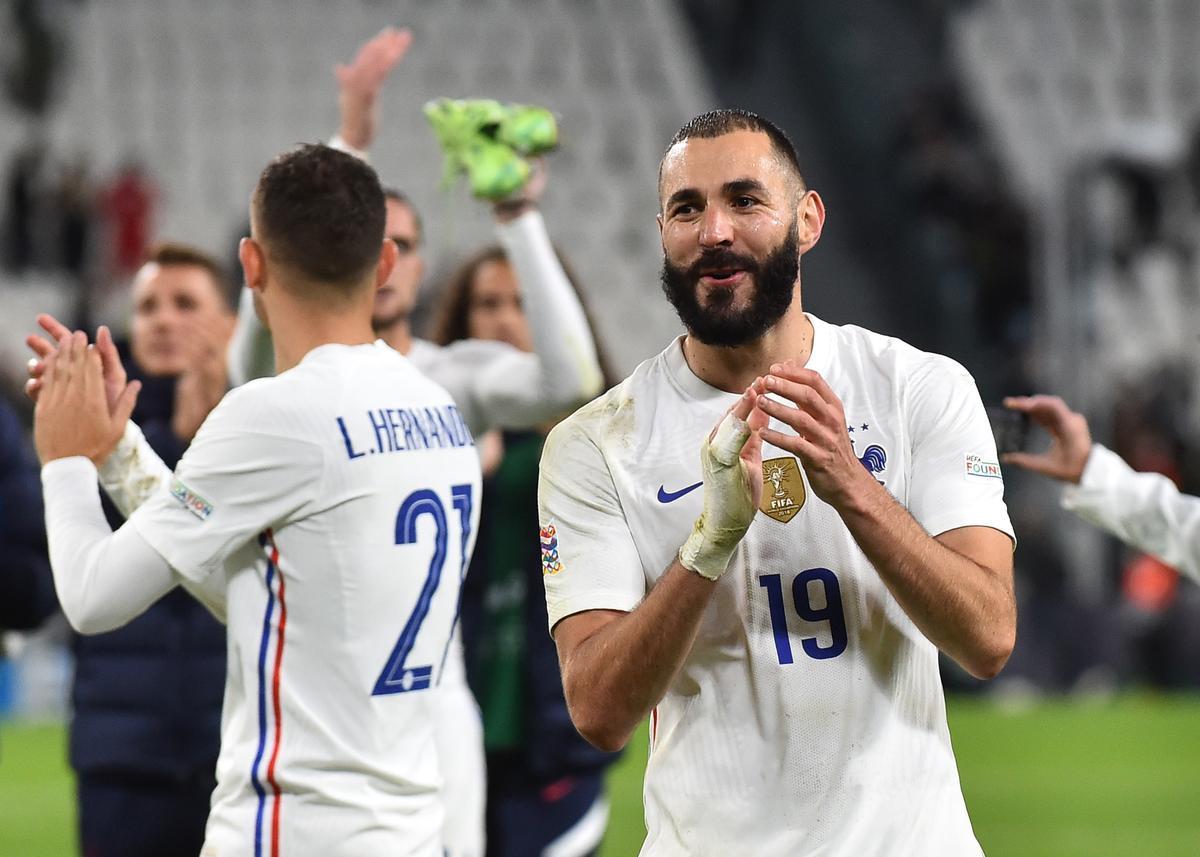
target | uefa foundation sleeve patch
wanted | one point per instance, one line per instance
(979, 468)
(190, 500)
(550, 561)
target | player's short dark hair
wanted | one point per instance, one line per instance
(168, 253)
(397, 195)
(717, 123)
(320, 213)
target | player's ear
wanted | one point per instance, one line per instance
(254, 263)
(388, 255)
(810, 219)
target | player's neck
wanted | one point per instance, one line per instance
(297, 330)
(734, 369)
(397, 334)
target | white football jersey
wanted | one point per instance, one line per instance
(809, 717)
(336, 504)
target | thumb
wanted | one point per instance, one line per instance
(123, 409)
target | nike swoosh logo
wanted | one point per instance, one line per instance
(665, 496)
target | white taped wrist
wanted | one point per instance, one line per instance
(728, 506)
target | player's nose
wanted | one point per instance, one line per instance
(716, 227)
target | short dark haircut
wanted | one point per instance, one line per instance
(168, 253)
(717, 123)
(397, 195)
(320, 213)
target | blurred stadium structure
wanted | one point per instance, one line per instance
(1095, 107)
(202, 95)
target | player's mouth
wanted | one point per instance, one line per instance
(723, 277)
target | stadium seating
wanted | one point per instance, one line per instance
(205, 93)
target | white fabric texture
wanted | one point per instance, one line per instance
(336, 506)
(103, 580)
(1144, 510)
(781, 734)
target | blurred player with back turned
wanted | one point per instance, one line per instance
(326, 513)
(776, 607)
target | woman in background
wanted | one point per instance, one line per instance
(545, 783)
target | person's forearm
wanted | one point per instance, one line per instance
(615, 676)
(103, 579)
(1144, 510)
(562, 339)
(134, 472)
(966, 610)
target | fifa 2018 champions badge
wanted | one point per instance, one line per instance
(783, 489)
(550, 560)
(190, 500)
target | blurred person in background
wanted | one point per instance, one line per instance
(1144, 510)
(128, 203)
(147, 697)
(545, 783)
(494, 384)
(26, 587)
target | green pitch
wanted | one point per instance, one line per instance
(1061, 779)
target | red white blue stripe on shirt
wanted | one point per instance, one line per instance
(270, 662)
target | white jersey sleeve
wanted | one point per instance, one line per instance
(236, 480)
(955, 478)
(133, 473)
(1145, 510)
(579, 510)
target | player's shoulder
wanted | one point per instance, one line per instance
(604, 419)
(889, 354)
(326, 378)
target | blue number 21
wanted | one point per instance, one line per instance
(397, 676)
(832, 613)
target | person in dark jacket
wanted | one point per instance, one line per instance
(545, 784)
(147, 697)
(26, 587)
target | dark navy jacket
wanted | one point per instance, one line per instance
(552, 747)
(26, 587)
(147, 697)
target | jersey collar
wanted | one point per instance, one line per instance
(693, 387)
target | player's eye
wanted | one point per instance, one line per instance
(743, 202)
(403, 245)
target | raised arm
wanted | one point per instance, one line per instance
(618, 663)
(359, 82)
(1144, 510)
(567, 370)
(103, 580)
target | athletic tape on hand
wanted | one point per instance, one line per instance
(731, 436)
(728, 509)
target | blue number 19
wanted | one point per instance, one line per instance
(397, 677)
(832, 612)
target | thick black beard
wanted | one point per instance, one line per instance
(716, 324)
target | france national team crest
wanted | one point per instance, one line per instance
(550, 562)
(874, 457)
(783, 489)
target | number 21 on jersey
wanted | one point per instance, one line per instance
(398, 675)
(824, 581)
